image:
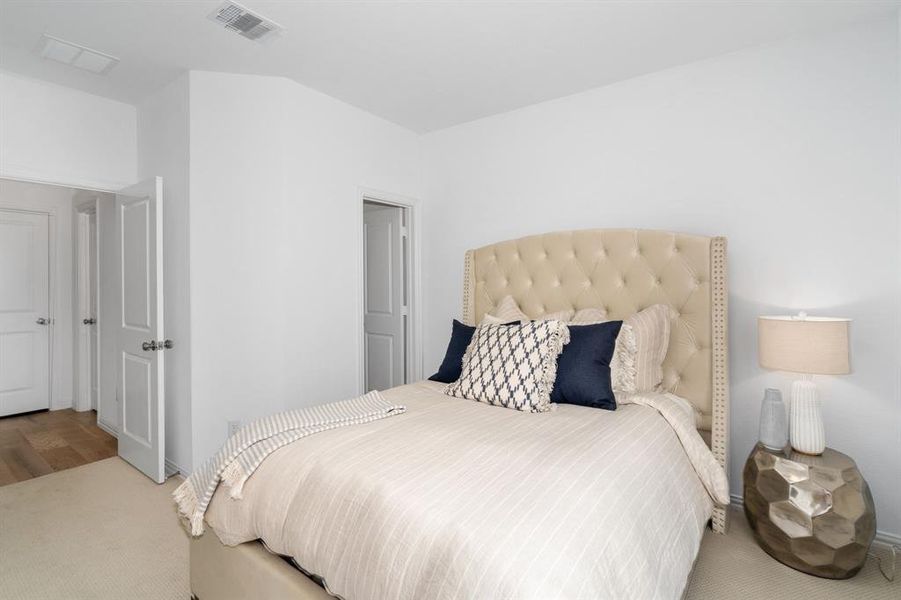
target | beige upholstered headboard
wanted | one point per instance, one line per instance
(623, 271)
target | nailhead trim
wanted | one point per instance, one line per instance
(469, 304)
(719, 436)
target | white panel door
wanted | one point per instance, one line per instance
(384, 320)
(140, 327)
(24, 312)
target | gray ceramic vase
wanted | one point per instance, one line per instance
(773, 424)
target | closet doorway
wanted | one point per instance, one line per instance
(390, 327)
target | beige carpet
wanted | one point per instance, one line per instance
(98, 531)
(734, 566)
(105, 531)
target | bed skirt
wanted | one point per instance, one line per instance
(220, 572)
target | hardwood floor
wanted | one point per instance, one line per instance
(40, 443)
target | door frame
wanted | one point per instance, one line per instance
(413, 341)
(83, 268)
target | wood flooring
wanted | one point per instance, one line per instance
(41, 443)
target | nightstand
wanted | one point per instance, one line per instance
(812, 513)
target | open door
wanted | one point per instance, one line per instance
(384, 297)
(139, 339)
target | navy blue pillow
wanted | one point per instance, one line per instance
(583, 368)
(452, 365)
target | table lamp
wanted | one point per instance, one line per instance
(810, 346)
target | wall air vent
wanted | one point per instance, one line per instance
(242, 21)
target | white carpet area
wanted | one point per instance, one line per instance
(104, 531)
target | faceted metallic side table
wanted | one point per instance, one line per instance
(812, 513)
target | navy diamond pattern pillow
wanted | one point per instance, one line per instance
(512, 366)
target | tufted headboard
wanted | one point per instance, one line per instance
(623, 271)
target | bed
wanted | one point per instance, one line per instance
(458, 499)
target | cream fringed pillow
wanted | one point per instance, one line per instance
(650, 329)
(512, 366)
(507, 311)
(589, 316)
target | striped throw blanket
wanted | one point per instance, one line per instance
(244, 451)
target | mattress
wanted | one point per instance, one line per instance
(458, 499)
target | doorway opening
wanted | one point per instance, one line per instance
(51, 310)
(81, 295)
(390, 340)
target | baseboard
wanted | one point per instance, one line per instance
(882, 537)
(107, 428)
(62, 404)
(885, 537)
(173, 469)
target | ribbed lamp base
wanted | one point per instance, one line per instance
(807, 434)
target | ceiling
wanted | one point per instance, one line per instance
(425, 65)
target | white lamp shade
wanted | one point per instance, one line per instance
(816, 345)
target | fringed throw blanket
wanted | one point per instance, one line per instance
(244, 451)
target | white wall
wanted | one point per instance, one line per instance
(790, 150)
(57, 202)
(54, 134)
(163, 127)
(274, 213)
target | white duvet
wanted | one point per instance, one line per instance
(458, 499)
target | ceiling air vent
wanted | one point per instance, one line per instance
(239, 19)
(75, 55)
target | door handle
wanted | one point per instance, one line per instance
(153, 345)
(42, 321)
(89, 321)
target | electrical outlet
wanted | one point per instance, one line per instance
(233, 427)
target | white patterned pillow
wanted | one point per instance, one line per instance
(513, 366)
